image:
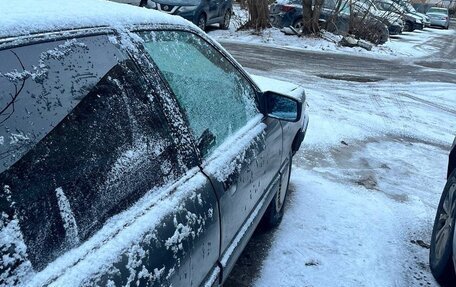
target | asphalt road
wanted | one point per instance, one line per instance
(441, 67)
(306, 65)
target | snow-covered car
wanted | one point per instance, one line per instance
(442, 256)
(134, 149)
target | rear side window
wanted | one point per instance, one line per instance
(82, 138)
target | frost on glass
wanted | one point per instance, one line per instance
(39, 84)
(81, 140)
(213, 94)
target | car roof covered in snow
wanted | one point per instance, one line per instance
(25, 17)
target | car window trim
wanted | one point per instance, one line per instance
(145, 65)
(169, 90)
(228, 57)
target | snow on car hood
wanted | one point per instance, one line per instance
(38, 16)
(278, 86)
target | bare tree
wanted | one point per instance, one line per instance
(258, 15)
(311, 15)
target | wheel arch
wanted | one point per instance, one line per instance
(452, 162)
(296, 144)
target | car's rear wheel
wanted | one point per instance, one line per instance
(276, 208)
(202, 22)
(297, 24)
(225, 24)
(441, 253)
(408, 26)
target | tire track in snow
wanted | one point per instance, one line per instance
(429, 103)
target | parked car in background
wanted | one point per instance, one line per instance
(439, 17)
(409, 8)
(391, 20)
(335, 18)
(286, 13)
(411, 21)
(289, 13)
(442, 256)
(201, 12)
(135, 149)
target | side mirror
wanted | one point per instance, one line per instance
(282, 107)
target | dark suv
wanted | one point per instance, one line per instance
(134, 149)
(200, 12)
(442, 257)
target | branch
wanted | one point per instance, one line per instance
(16, 94)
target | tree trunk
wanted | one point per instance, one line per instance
(258, 15)
(243, 4)
(310, 16)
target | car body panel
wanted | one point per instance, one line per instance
(172, 231)
(452, 168)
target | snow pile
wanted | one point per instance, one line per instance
(35, 16)
(408, 44)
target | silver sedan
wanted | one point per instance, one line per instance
(439, 17)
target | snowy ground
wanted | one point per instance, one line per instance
(367, 180)
(365, 186)
(408, 44)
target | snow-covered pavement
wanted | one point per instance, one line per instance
(365, 187)
(367, 180)
(407, 45)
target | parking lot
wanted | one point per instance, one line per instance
(369, 175)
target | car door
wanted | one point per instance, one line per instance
(213, 8)
(99, 189)
(241, 150)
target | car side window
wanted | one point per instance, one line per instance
(85, 142)
(216, 98)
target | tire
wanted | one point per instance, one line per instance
(383, 39)
(225, 24)
(297, 24)
(201, 23)
(441, 252)
(408, 26)
(276, 208)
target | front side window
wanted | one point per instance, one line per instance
(215, 96)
